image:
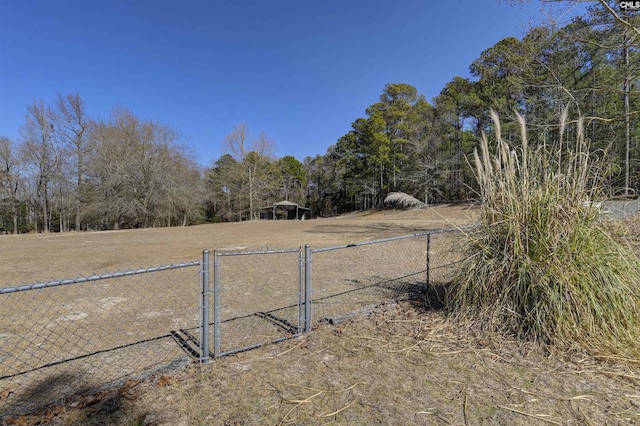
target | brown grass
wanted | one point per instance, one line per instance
(398, 365)
(43, 257)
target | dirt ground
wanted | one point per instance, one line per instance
(401, 364)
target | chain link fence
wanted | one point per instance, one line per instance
(619, 209)
(76, 337)
(79, 336)
(444, 255)
(356, 277)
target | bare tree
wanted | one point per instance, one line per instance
(139, 175)
(10, 176)
(253, 156)
(72, 124)
(182, 190)
(40, 152)
(237, 142)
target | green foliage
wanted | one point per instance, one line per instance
(291, 180)
(248, 178)
(592, 64)
(6, 217)
(383, 152)
(543, 266)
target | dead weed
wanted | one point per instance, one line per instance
(397, 365)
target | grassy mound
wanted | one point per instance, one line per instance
(542, 265)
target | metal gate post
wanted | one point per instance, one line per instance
(300, 281)
(428, 258)
(307, 288)
(216, 305)
(204, 306)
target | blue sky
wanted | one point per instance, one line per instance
(301, 71)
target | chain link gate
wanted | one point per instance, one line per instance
(257, 299)
(262, 297)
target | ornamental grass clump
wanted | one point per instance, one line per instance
(543, 265)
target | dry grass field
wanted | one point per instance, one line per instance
(44, 257)
(400, 364)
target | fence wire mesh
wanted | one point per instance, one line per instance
(445, 255)
(353, 277)
(79, 336)
(258, 298)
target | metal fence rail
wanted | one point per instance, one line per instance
(78, 336)
(70, 337)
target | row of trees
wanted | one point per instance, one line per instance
(73, 172)
(590, 67)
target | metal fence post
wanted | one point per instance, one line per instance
(428, 258)
(307, 288)
(216, 305)
(300, 284)
(204, 306)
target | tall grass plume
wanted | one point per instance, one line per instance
(404, 200)
(543, 265)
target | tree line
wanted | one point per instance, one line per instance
(71, 172)
(587, 69)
